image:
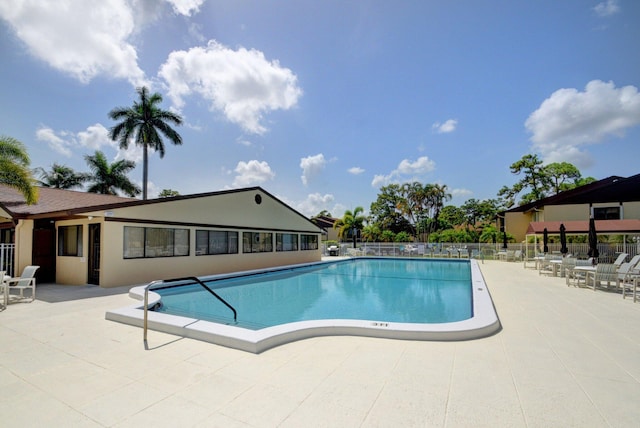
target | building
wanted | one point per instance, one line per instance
(614, 203)
(85, 238)
(329, 233)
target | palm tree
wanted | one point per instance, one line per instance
(109, 178)
(142, 122)
(350, 222)
(61, 177)
(14, 168)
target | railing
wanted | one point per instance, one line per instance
(7, 254)
(193, 280)
(608, 251)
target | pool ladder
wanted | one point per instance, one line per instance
(193, 280)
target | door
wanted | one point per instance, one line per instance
(93, 276)
(44, 252)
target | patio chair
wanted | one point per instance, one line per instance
(3, 289)
(577, 277)
(628, 275)
(24, 282)
(604, 273)
(620, 259)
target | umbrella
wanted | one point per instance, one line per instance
(593, 241)
(563, 240)
(504, 239)
(545, 241)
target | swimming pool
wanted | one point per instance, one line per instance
(376, 289)
(378, 297)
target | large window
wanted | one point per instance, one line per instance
(286, 242)
(308, 242)
(155, 242)
(257, 242)
(216, 242)
(606, 213)
(70, 241)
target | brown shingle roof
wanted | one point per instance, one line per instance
(51, 200)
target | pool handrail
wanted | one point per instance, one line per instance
(187, 278)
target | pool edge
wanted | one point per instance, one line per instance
(485, 322)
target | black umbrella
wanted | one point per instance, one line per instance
(593, 241)
(504, 240)
(563, 240)
(545, 241)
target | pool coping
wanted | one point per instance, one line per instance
(483, 323)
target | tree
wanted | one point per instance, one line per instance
(142, 122)
(109, 178)
(562, 175)
(61, 177)
(535, 179)
(350, 222)
(168, 193)
(323, 213)
(14, 168)
(384, 211)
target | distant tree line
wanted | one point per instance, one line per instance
(417, 212)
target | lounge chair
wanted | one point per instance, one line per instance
(620, 259)
(628, 276)
(24, 282)
(604, 273)
(3, 289)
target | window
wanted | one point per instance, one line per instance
(70, 241)
(155, 242)
(286, 242)
(308, 242)
(606, 213)
(216, 242)
(257, 242)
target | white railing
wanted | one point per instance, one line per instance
(608, 251)
(7, 256)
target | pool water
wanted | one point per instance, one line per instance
(384, 290)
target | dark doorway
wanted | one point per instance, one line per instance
(44, 251)
(93, 276)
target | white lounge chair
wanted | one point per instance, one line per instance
(604, 273)
(620, 259)
(3, 289)
(25, 281)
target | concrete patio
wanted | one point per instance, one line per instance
(565, 357)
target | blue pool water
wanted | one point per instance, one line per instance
(385, 290)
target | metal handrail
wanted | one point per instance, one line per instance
(188, 278)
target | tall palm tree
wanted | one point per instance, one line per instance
(142, 122)
(61, 177)
(109, 178)
(14, 168)
(350, 222)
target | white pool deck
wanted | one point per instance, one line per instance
(565, 357)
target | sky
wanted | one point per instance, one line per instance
(322, 103)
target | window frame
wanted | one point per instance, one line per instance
(63, 241)
(210, 249)
(165, 244)
(257, 242)
(286, 246)
(309, 242)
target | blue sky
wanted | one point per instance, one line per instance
(323, 102)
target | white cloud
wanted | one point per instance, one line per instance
(570, 119)
(421, 166)
(55, 142)
(95, 137)
(312, 166)
(314, 203)
(446, 127)
(607, 8)
(407, 170)
(461, 193)
(356, 170)
(240, 84)
(186, 7)
(252, 173)
(81, 38)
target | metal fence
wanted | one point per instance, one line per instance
(7, 256)
(608, 251)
